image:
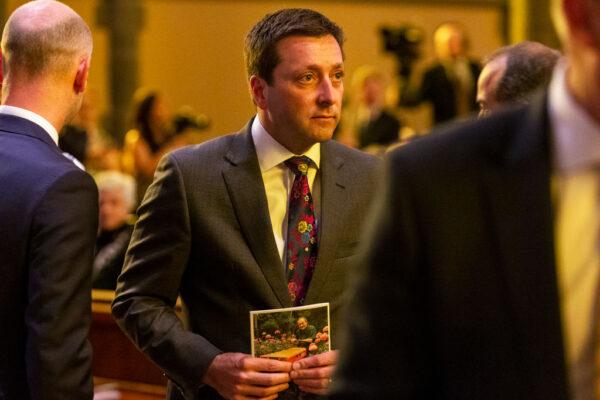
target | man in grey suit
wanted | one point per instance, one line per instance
(48, 209)
(213, 225)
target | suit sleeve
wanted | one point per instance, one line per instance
(58, 314)
(148, 286)
(383, 351)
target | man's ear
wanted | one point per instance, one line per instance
(258, 91)
(81, 76)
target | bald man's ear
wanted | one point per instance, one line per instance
(258, 90)
(81, 76)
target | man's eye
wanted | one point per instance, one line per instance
(307, 78)
(339, 75)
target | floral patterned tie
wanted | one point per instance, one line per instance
(301, 245)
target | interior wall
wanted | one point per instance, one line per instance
(192, 49)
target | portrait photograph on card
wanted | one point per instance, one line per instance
(289, 334)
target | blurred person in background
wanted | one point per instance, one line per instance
(117, 199)
(150, 139)
(450, 83)
(85, 139)
(513, 74)
(374, 127)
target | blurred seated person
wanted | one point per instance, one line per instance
(450, 83)
(85, 140)
(373, 125)
(117, 198)
(513, 74)
(150, 139)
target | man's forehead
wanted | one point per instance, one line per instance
(309, 49)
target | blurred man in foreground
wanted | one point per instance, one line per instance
(480, 279)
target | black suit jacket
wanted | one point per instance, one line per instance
(383, 130)
(458, 297)
(204, 232)
(437, 88)
(48, 222)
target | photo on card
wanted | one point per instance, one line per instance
(289, 334)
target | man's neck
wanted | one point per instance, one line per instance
(43, 107)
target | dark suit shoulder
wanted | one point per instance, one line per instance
(34, 161)
(477, 141)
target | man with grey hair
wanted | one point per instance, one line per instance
(482, 269)
(48, 208)
(513, 74)
(117, 199)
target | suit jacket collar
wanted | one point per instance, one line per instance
(22, 126)
(518, 197)
(246, 189)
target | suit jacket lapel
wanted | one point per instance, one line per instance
(334, 178)
(519, 199)
(246, 190)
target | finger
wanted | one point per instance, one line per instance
(319, 360)
(264, 378)
(260, 391)
(314, 390)
(321, 383)
(312, 373)
(264, 365)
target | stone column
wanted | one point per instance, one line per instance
(3, 13)
(530, 20)
(123, 19)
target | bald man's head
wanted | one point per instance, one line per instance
(44, 37)
(513, 74)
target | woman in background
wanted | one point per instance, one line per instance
(150, 139)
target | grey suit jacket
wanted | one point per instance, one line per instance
(204, 232)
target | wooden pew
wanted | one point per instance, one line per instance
(118, 365)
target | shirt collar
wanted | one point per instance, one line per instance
(271, 153)
(33, 117)
(576, 136)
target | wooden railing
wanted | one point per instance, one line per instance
(118, 365)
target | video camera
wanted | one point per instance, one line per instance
(403, 42)
(185, 118)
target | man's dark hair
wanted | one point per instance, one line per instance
(529, 67)
(260, 53)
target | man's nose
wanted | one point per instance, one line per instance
(327, 92)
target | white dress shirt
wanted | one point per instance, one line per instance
(576, 187)
(33, 117)
(278, 179)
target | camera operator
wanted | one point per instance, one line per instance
(449, 84)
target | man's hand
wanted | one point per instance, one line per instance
(313, 374)
(240, 376)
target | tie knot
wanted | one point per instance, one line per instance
(298, 164)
